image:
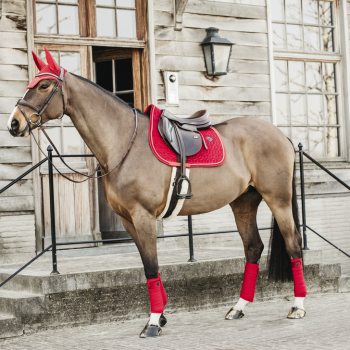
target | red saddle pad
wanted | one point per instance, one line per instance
(215, 155)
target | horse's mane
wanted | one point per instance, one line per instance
(106, 92)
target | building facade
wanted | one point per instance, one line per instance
(290, 66)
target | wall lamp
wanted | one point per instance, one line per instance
(217, 52)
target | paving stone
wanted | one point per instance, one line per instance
(326, 326)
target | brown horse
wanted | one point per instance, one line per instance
(259, 165)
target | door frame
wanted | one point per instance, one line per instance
(140, 87)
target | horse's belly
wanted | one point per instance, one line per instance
(213, 188)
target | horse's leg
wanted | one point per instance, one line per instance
(144, 233)
(286, 254)
(245, 209)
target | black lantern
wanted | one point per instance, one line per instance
(217, 52)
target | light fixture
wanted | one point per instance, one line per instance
(217, 52)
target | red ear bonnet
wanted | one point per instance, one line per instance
(38, 62)
(51, 62)
(51, 67)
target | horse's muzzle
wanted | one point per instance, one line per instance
(14, 129)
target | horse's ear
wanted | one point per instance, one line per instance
(51, 61)
(39, 63)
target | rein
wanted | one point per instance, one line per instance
(40, 111)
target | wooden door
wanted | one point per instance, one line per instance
(74, 203)
(118, 71)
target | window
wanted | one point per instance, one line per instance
(62, 131)
(57, 17)
(116, 18)
(90, 18)
(303, 25)
(306, 68)
(121, 82)
(119, 71)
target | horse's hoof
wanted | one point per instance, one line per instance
(162, 320)
(296, 313)
(150, 331)
(234, 314)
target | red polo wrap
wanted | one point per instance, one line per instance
(155, 295)
(249, 281)
(165, 299)
(298, 277)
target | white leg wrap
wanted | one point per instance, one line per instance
(154, 319)
(241, 304)
(299, 303)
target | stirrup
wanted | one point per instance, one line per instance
(185, 195)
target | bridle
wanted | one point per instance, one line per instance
(39, 111)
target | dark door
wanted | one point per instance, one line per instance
(118, 71)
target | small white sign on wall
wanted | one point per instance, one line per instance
(171, 88)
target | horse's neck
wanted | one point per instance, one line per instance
(105, 124)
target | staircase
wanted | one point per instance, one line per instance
(36, 301)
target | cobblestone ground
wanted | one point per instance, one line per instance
(326, 326)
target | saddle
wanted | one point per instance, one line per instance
(183, 136)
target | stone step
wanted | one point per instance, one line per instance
(102, 296)
(93, 251)
(10, 326)
(311, 257)
(41, 282)
(344, 284)
(20, 304)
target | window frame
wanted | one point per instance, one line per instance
(335, 27)
(315, 56)
(139, 91)
(88, 22)
(82, 20)
(116, 8)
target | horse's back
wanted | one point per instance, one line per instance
(256, 137)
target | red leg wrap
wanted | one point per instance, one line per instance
(165, 299)
(298, 277)
(155, 295)
(249, 281)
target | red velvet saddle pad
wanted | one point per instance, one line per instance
(215, 155)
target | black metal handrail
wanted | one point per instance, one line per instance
(22, 176)
(303, 207)
(190, 234)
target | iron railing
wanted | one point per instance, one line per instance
(190, 234)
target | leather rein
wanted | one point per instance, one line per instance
(39, 111)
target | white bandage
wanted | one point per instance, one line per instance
(241, 304)
(299, 303)
(154, 319)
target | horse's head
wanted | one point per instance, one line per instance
(40, 102)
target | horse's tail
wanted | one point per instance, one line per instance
(278, 259)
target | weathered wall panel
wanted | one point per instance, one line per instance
(17, 232)
(243, 23)
(17, 241)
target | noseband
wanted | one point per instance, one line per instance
(41, 110)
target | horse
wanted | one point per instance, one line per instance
(260, 164)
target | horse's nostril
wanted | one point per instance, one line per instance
(15, 124)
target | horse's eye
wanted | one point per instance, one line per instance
(43, 87)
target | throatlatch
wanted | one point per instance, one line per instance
(298, 277)
(157, 295)
(249, 281)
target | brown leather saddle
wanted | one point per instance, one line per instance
(183, 137)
